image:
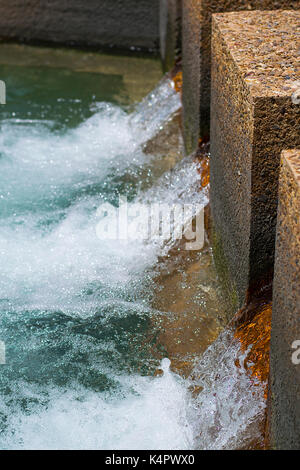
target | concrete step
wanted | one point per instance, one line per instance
(285, 337)
(196, 56)
(253, 118)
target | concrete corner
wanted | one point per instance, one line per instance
(285, 336)
(196, 54)
(253, 118)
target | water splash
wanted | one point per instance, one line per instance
(76, 311)
(229, 408)
(79, 419)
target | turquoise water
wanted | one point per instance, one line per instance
(59, 96)
(75, 310)
(77, 313)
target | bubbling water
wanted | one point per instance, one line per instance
(146, 418)
(75, 311)
(229, 410)
(70, 303)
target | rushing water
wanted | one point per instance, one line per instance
(79, 315)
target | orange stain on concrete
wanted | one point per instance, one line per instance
(255, 335)
(204, 171)
(177, 79)
(202, 156)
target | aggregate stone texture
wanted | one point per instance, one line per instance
(196, 54)
(255, 114)
(285, 374)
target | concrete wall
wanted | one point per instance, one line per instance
(170, 32)
(97, 23)
(255, 114)
(246, 93)
(284, 373)
(196, 54)
(253, 118)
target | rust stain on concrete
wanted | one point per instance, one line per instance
(254, 337)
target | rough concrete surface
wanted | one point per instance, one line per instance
(285, 375)
(255, 72)
(196, 54)
(170, 32)
(97, 23)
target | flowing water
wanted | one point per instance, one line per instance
(90, 326)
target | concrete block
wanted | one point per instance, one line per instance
(170, 32)
(285, 360)
(196, 56)
(254, 116)
(104, 23)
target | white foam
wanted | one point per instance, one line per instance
(47, 269)
(151, 416)
(229, 411)
(49, 256)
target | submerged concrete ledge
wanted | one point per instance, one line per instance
(96, 23)
(285, 337)
(255, 72)
(196, 53)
